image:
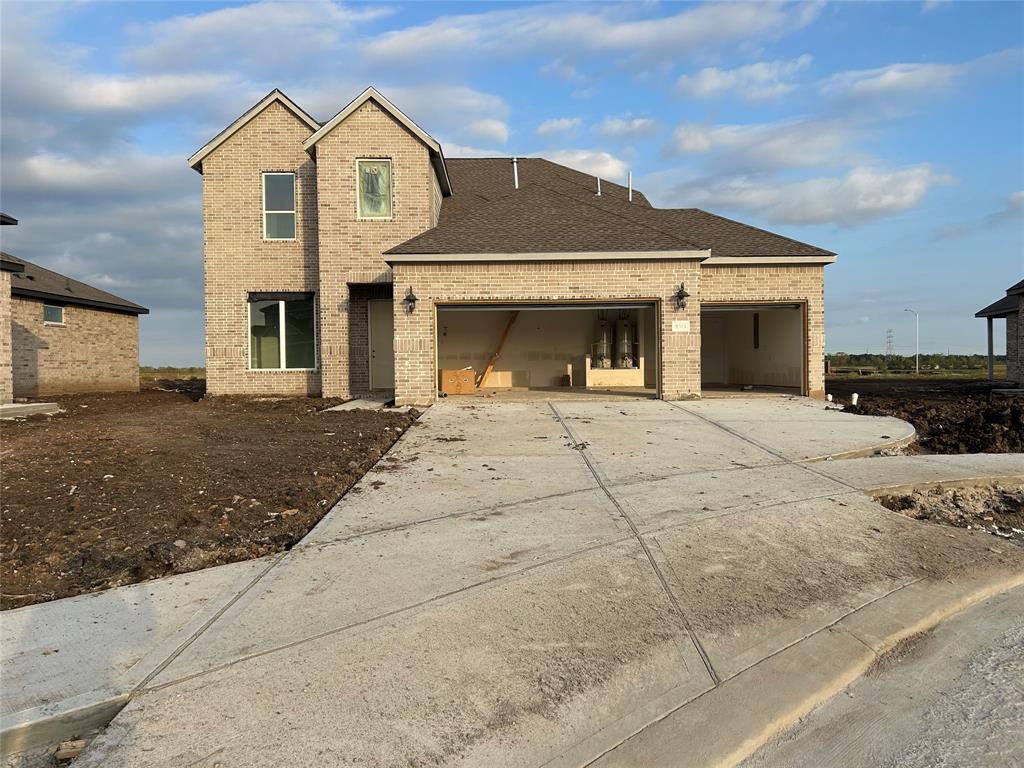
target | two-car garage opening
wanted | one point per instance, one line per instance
(753, 346)
(581, 347)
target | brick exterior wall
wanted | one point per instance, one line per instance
(1015, 344)
(350, 249)
(94, 351)
(237, 258)
(415, 377)
(6, 376)
(803, 284)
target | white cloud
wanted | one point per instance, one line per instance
(572, 28)
(628, 127)
(753, 82)
(1013, 208)
(560, 68)
(916, 78)
(261, 36)
(488, 129)
(593, 161)
(559, 125)
(766, 146)
(454, 149)
(933, 5)
(863, 194)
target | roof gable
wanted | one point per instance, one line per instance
(372, 94)
(275, 96)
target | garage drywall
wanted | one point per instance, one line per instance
(540, 347)
(728, 356)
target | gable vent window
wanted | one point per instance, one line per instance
(53, 314)
(373, 178)
(278, 206)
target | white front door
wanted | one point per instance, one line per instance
(382, 344)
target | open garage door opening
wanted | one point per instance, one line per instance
(753, 347)
(608, 348)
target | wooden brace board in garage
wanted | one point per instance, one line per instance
(497, 350)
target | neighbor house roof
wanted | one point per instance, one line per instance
(36, 282)
(5, 219)
(275, 96)
(1008, 305)
(557, 209)
(372, 94)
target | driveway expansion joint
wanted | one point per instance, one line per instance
(580, 446)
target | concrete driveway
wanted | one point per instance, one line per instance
(563, 583)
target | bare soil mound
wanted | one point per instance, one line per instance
(996, 509)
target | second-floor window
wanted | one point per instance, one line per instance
(279, 206)
(373, 193)
(53, 314)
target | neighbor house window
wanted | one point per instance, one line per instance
(53, 314)
(282, 332)
(374, 192)
(279, 206)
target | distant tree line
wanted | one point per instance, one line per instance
(929, 362)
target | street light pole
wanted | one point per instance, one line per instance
(917, 341)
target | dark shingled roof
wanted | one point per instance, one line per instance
(5, 219)
(40, 283)
(1008, 305)
(556, 209)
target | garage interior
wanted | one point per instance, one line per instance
(752, 346)
(600, 348)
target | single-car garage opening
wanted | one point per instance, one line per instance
(580, 347)
(758, 346)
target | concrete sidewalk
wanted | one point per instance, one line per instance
(533, 584)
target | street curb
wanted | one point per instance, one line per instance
(776, 692)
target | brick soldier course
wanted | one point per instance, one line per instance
(459, 231)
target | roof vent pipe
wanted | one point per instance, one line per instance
(629, 178)
(598, 186)
(515, 171)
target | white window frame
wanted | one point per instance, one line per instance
(293, 212)
(53, 322)
(284, 340)
(391, 191)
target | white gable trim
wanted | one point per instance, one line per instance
(196, 161)
(395, 112)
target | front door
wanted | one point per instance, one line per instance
(382, 344)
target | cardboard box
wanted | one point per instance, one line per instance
(458, 381)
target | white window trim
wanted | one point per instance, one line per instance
(284, 340)
(391, 177)
(263, 204)
(60, 324)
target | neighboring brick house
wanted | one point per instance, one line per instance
(350, 256)
(1011, 308)
(59, 335)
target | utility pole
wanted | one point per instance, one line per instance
(917, 341)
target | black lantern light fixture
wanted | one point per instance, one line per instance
(410, 301)
(681, 296)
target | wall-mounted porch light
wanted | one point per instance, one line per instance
(681, 296)
(410, 301)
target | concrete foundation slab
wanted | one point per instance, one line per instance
(21, 410)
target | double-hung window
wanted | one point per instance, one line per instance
(53, 314)
(278, 206)
(282, 331)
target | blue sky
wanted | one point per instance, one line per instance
(891, 133)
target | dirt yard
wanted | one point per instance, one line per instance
(951, 416)
(998, 510)
(121, 488)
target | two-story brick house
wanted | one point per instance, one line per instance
(352, 256)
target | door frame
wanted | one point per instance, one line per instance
(369, 339)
